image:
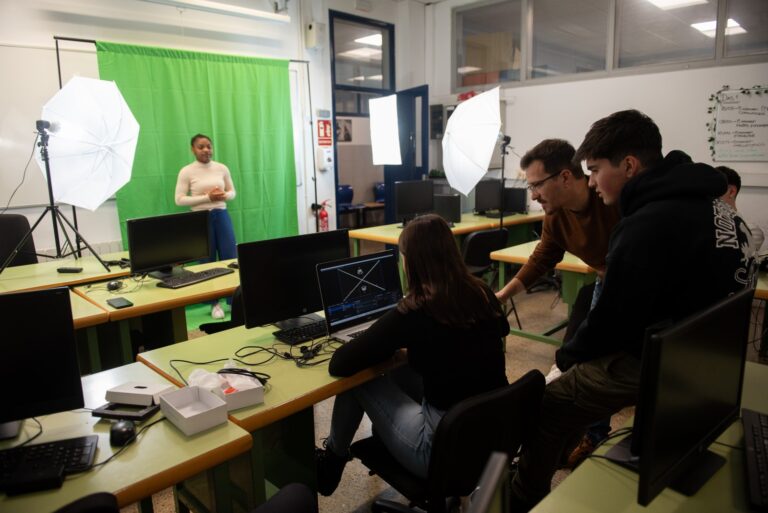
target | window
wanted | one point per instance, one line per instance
(569, 37)
(747, 30)
(363, 64)
(649, 34)
(487, 44)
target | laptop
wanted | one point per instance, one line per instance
(356, 291)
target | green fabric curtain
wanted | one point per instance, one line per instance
(242, 103)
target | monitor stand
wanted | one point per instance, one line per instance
(689, 479)
(10, 429)
(297, 322)
(169, 272)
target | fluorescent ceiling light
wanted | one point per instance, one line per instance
(708, 28)
(359, 78)
(467, 69)
(362, 54)
(675, 4)
(373, 40)
(375, 77)
(220, 8)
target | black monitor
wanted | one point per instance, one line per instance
(515, 200)
(159, 245)
(448, 206)
(38, 357)
(413, 198)
(690, 392)
(487, 196)
(277, 277)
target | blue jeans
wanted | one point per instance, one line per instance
(222, 239)
(404, 425)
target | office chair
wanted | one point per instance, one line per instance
(237, 319)
(344, 195)
(476, 252)
(13, 227)
(499, 420)
(379, 192)
(100, 502)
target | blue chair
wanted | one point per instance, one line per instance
(344, 195)
(378, 192)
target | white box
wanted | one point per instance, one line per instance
(241, 398)
(193, 409)
(137, 393)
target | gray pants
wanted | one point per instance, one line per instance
(586, 393)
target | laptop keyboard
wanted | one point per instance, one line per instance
(356, 334)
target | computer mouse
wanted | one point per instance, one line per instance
(234, 265)
(122, 433)
(115, 285)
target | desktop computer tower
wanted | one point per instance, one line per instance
(448, 206)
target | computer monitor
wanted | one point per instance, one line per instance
(448, 206)
(277, 277)
(515, 200)
(412, 198)
(159, 245)
(487, 196)
(690, 392)
(38, 357)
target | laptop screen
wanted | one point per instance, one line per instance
(356, 290)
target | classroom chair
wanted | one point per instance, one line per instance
(499, 420)
(476, 252)
(237, 318)
(344, 195)
(379, 192)
(13, 227)
(100, 502)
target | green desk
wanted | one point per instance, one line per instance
(761, 292)
(161, 457)
(390, 233)
(575, 274)
(602, 486)
(148, 298)
(43, 275)
(283, 426)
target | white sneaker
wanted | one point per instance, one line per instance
(554, 373)
(217, 312)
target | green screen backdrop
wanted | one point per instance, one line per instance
(242, 103)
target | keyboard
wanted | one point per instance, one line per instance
(43, 466)
(756, 457)
(190, 278)
(303, 333)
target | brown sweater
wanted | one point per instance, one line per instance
(585, 234)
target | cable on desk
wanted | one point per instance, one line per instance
(39, 432)
(259, 375)
(121, 449)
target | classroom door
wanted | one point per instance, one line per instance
(412, 118)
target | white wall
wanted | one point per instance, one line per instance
(676, 100)
(30, 78)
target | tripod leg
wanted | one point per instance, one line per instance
(72, 227)
(68, 244)
(23, 241)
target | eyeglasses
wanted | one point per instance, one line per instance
(534, 186)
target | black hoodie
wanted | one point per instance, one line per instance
(676, 250)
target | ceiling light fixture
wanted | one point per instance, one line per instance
(467, 69)
(675, 4)
(220, 8)
(709, 28)
(362, 53)
(373, 40)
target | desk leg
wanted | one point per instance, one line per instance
(126, 348)
(145, 505)
(355, 247)
(179, 322)
(763, 352)
(94, 355)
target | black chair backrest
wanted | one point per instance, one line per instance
(478, 246)
(496, 421)
(13, 227)
(99, 502)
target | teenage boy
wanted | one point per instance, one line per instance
(676, 250)
(734, 186)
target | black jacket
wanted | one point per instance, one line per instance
(454, 363)
(676, 250)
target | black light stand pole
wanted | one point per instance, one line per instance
(504, 143)
(42, 130)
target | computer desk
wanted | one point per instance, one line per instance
(283, 426)
(43, 275)
(520, 225)
(161, 457)
(86, 316)
(148, 298)
(574, 271)
(602, 486)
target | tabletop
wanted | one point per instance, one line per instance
(520, 254)
(43, 274)
(161, 457)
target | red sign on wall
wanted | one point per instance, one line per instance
(324, 133)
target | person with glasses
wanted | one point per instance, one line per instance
(677, 249)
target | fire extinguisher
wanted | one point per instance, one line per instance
(322, 216)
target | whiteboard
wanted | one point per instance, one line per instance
(741, 126)
(31, 79)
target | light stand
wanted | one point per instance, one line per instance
(43, 129)
(505, 140)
